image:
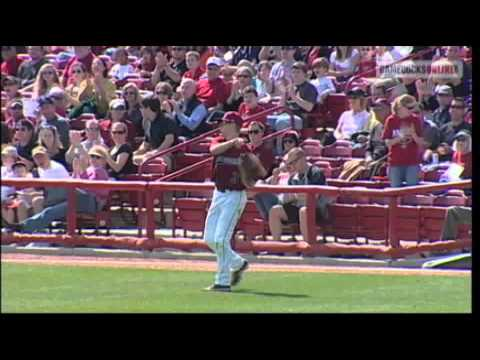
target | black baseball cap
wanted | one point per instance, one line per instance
(46, 100)
(356, 92)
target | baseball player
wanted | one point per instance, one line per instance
(235, 169)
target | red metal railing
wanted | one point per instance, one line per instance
(310, 246)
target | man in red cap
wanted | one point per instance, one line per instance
(229, 200)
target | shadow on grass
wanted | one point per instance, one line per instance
(269, 294)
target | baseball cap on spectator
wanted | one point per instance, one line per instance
(462, 135)
(39, 150)
(213, 60)
(98, 151)
(380, 102)
(117, 104)
(300, 65)
(26, 123)
(356, 92)
(9, 80)
(44, 100)
(232, 117)
(291, 134)
(10, 151)
(444, 90)
(56, 92)
(16, 104)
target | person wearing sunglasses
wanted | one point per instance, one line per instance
(117, 113)
(403, 136)
(122, 67)
(49, 138)
(213, 91)
(164, 93)
(120, 157)
(190, 113)
(25, 141)
(243, 79)
(132, 98)
(80, 147)
(263, 150)
(28, 70)
(83, 55)
(80, 90)
(441, 115)
(170, 71)
(457, 123)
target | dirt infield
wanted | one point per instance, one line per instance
(203, 265)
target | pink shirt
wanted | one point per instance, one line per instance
(96, 174)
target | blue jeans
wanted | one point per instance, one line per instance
(86, 203)
(399, 174)
(264, 202)
(222, 218)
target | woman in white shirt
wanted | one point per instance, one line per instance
(354, 120)
(344, 62)
(122, 68)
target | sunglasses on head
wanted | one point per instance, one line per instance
(95, 157)
(118, 132)
(21, 129)
(411, 107)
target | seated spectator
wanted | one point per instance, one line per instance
(49, 138)
(14, 115)
(457, 122)
(87, 201)
(250, 107)
(172, 71)
(195, 71)
(104, 89)
(147, 64)
(122, 67)
(60, 101)
(11, 61)
(322, 82)
(213, 91)
(28, 70)
(249, 53)
(164, 92)
(50, 117)
(301, 96)
(9, 157)
(78, 147)
(25, 141)
(263, 150)
(47, 78)
(83, 55)
(224, 53)
(344, 62)
(459, 84)
(80, 92)
(403, 136)
(281, 73)
(5, 132)
(10, 86)
(316, 52)
(119, 159)
(294, 210)
(263, 83)
(355, 120)
(132, 98)
(441, 115)
(160, 132)
(118, 113)
(243, 79)
(462, 155)
(205, 53)
(383, 56)
(190, 113)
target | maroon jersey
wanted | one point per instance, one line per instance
(226, 174)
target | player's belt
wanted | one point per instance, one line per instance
(227, 160)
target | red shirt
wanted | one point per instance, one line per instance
(225, 174)
(195, 75)
(411, 154)
(465, 160)
(105, 127)
(10, 67)
(265, 154)
(86, 61)
(212, 92)
(245, 112)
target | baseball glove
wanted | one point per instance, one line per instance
(251, 169)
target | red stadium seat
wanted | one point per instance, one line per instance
(190, 214)
(407, 223)
(251, 223)
(345, 220)
(414, 200)
(337, 151)
(373, 221)
(199, 174)
(431, 222)
(312, 150)
(336, 105)
(450, 201)
(359, 152)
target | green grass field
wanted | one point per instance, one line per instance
(65, 289)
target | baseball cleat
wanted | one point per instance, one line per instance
(220, 288)
(237, 274)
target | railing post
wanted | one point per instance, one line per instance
(393, 240)
(72, 213)
(150, 214)
(311, 218)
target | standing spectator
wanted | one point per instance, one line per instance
(344, 62)
(83, 55)
(122, 67)
(243, 79)
(119, 159)
(173, 71)
(212, 91)
(294, 210)
(403, 136)
(263, 83)
(190, 113)
(160, 132)
(146, 64)
(50, 117)
(282, 71)
(354, 120)
(441, 115)
(263, 150)
(47, 79)
(11, 61)
(322, 82)
(28, 70)
(118, 113)
(25, 141)
(376, 147)
(195, 71)
(250, 107)
(14, 114)
(10, 86)
(103, 87)
(457, 123)
(49, 138)
(132, 98)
